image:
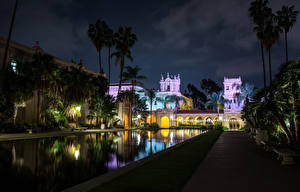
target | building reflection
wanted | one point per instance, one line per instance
(93, 153)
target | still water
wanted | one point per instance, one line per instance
(53, 164)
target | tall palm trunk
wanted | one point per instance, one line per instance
(38, 111)
(7, 45)
(270, 66)
(121, 74)
(286, 47)
(109, 59)
(100, 63)
(263, 62)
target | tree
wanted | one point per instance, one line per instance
(198, 97)
(257, 12)
(19, 88)
(286, 18)
(2, 70)
(284, 100)
(109, 42)
(125, 40)
(96, 33)
(132, 74)
(170, 99)
(102, 107)
(43, 71)
(248, 91)
(151, 95)
(278, 105)
(215, 100)
(209, 86)
(271, 36)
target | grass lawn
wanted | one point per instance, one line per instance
(168, 172)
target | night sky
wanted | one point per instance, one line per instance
(196, 38)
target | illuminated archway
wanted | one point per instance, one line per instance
(234, 124)
(126, 121)
(215, 120)
(189, 120)
(149, 119)
(207, 120)
(179, 120)
(164, 132)
(165, 122)
(198, 120)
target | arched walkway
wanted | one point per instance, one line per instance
(179, 120)
(149, 119)
(208, 121)
(215, 120)
(234, 124)
(198, 121)
(189, 120)
(165, 122)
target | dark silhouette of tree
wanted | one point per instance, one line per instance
(286, 18)
(257, 12)
(109, 42)
(132, 74)
(210, 86)
(198, 97)
(124, 40)
(96, 33)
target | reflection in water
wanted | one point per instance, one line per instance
(60, 162)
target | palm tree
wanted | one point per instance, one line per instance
(215, 100)
(271, 36)
(43, 68)
(2, 70)
(151, 94)
(125, 40)
(109, 42)
(286, 18)
(97, 35)
(247, 92)
(257, 13)
(171, 98)
(132, 74)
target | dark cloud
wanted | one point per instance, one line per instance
(196, 38)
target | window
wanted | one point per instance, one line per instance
(13, 65)
(227, 87)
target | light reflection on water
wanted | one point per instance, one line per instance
(66, 161)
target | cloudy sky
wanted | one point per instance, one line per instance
(194, 38)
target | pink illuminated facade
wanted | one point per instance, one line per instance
(231, 91)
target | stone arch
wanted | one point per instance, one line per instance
(165, 122)
(215, 120)
(198, 120)
(149, 119)
(207, 120)
(189, 120)
(179, 120)
(234, 124)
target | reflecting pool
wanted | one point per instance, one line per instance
(53, 164)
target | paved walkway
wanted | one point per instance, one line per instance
(236, 164)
